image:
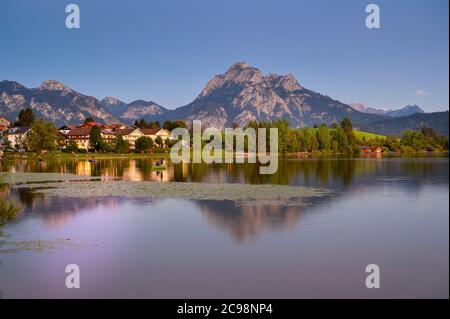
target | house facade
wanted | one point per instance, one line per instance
(370, 149)
(17, 135)
(66, 128)
(153, 133)
(130, 135)
(81, 135)
(4, 122)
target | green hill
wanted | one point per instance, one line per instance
(358, 134)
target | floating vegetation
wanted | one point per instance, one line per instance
(41, 245)
(21, 178)
(184, 190)
(159, 168)
(8, 210)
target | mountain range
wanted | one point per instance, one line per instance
(405, 111)
(239, 95)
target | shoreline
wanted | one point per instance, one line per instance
(301, 155)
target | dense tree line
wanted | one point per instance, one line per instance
(167, 125)
(290, 140)
(143, 124)
(342, 139)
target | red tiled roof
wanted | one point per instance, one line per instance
(79, 131)
(150, 131)
(91, 124)
(69, 126)
(125, 131)
(114, 125)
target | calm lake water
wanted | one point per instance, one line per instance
(393, 212)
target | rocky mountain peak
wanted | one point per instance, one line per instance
(110, 101)
(287, 82)
(11, 87)
(415, 108)
(239, 66)
(238, 75)
(52, 85)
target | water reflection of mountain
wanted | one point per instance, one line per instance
(242, 222)
(247, 222)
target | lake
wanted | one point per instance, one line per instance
(390, 211)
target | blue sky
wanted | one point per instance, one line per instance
(167, 50)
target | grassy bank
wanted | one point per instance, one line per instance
(358, 134)
(62, 155)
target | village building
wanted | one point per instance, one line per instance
(370, 149)
(91, 124)
(80, 135)
(130, 135)
(117, 126)
(66, 128)
(153, 133)
(4, 122)
(17, 135)
(2, 128)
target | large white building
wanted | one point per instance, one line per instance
(17, 135)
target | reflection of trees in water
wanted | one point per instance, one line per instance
(423, 169)
(290, 172)
(328, 173)
(321, 172)
(242, 222)
(56, 211)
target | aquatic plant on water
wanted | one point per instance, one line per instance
(8, 210)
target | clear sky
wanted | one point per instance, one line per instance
(166, 50)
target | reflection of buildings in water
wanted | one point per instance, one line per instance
(165, 175)
(109, 172)
(132, 173)
(371, 155)
(56, 211)
(245, 222)
(180, 171)
(83, 168)
(161, 170)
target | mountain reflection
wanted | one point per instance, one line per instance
(247, 222)
(242, 222)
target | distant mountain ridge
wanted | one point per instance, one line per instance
(405, 111)
(52, 101)
(239, 95)
(132, 111)
(58, 103)
(438, 121)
